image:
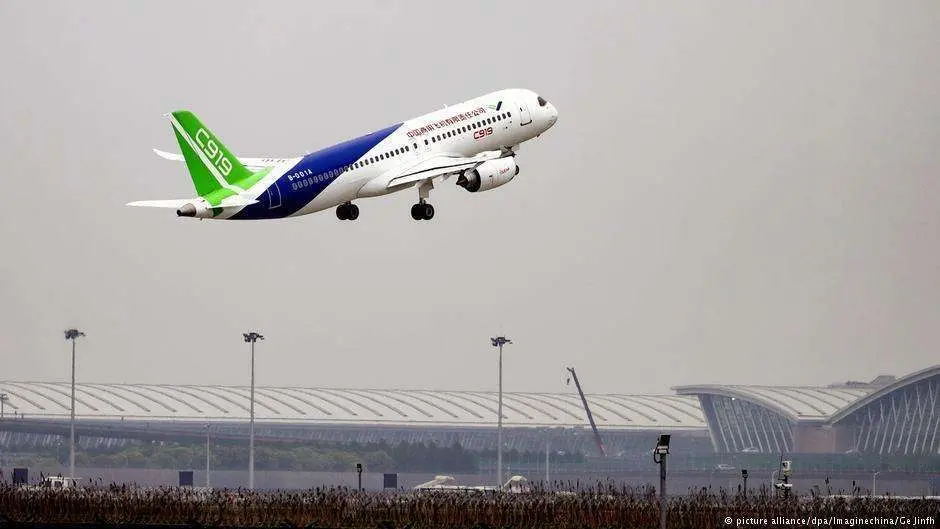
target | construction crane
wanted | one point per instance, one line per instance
(587, 409)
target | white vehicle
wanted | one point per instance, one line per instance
(475, 141)
(515, 485)
(442, 482)
(57, 482)
(723, 467)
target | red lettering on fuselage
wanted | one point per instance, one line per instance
(482, 133)
(446, 122)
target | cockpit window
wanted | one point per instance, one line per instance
(542, 101)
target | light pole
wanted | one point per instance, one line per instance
(548, 445)
(773, 480)
(499, 341)
(873, 476)
(252, 337)
(207, 455)
(72, 334)
(662, 451)
(3, 400)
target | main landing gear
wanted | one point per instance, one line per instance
(347, 211)
(422, 211)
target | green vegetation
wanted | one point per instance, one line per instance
(811, 462)
(429, 457)
(314, 456)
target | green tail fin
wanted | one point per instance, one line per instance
(211, 165)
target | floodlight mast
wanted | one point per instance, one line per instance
(499, 341)
(252, 337)
(587, 409)
(72, 334)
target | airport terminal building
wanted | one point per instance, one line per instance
(887, 416)
(896, 416)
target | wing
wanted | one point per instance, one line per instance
(433, 167)
(251, 163)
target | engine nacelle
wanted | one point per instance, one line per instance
(488, 175)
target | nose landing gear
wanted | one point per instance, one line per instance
(347, 211)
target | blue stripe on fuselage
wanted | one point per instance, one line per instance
(312, 174)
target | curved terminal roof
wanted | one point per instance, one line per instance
(797, 403)
(871, 397)
(291, 405)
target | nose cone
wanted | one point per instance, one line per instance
(552, 114)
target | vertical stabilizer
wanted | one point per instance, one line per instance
(211, 165)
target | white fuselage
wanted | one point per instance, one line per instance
(362, 167)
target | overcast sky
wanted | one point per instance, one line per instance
(735, 192)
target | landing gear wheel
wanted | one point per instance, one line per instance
(428, 211)
(342, 213)
(352, 212)
(416, 212)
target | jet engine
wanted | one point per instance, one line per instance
(488, 175)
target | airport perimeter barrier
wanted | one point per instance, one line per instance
(566, 506)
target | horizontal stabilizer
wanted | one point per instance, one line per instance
(177, 203)
(251, 163)
(234, 201)
(169, 155)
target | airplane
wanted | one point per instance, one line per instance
(476, 141)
